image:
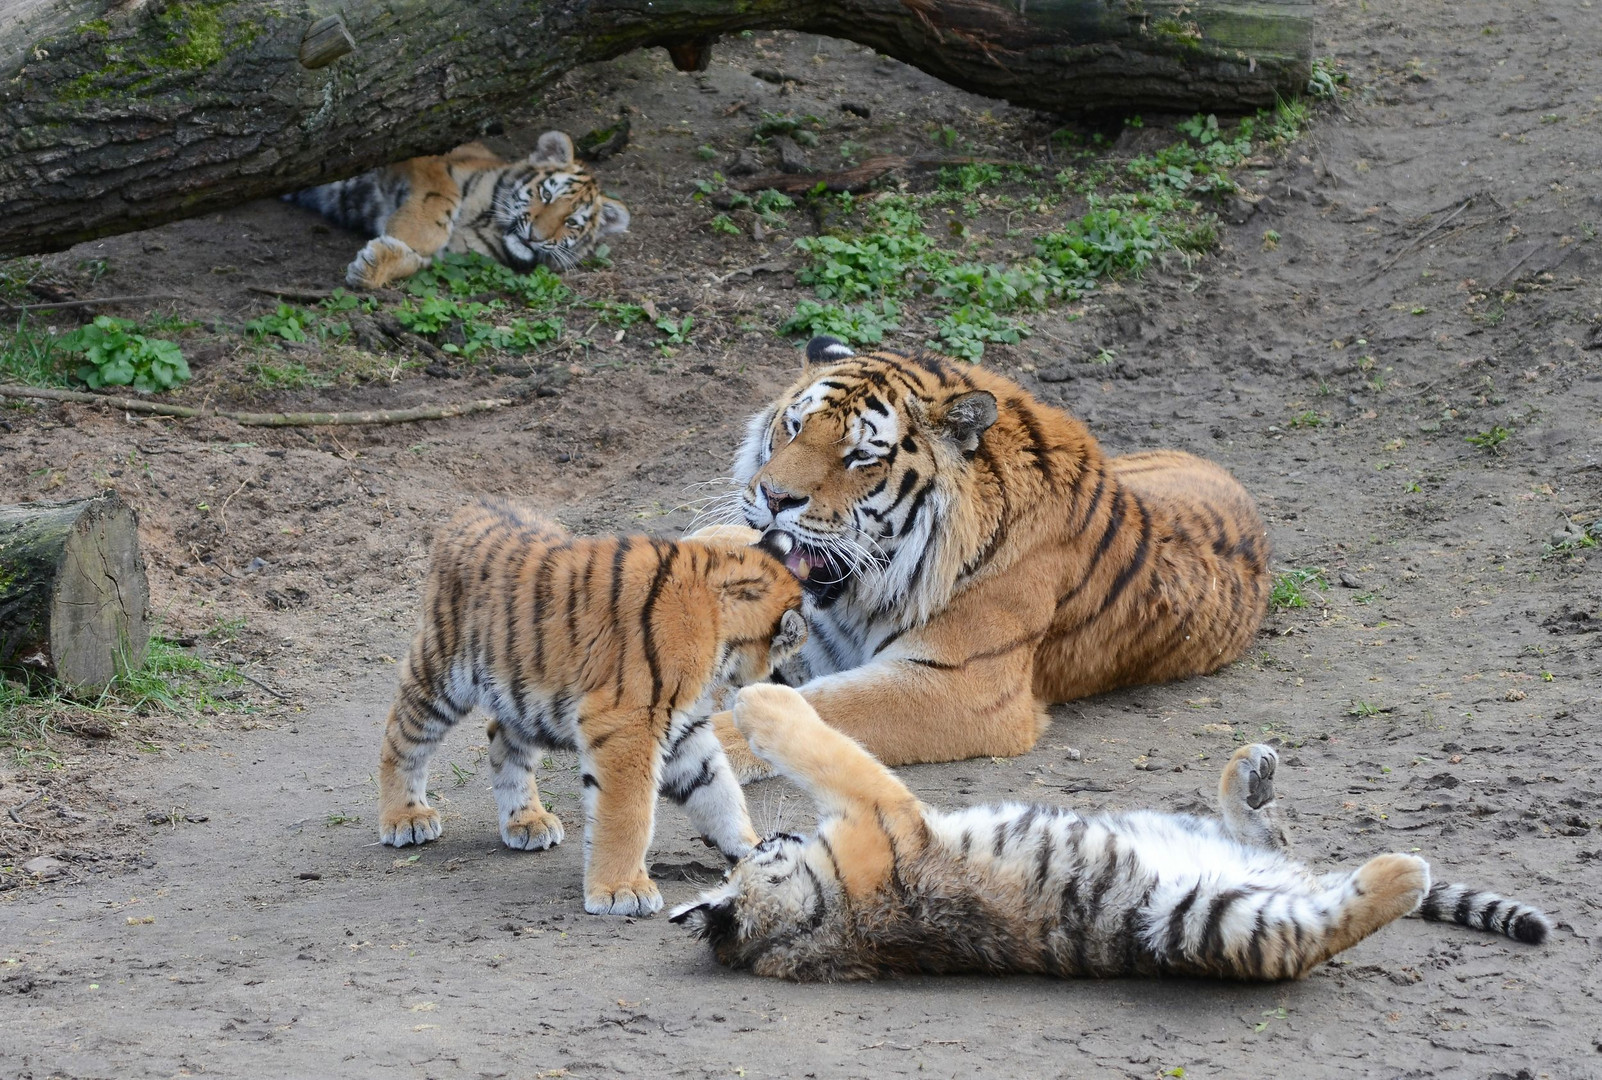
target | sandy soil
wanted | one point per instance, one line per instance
(224, 911)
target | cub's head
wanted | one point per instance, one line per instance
(551, 210)
(774, 915)
(852, 474)
(760, 625)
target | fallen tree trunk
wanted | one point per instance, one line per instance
(121, 115)
(72, 590)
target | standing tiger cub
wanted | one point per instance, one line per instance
(888, 885)
(545, 210)
(970, 555)
(616, 647)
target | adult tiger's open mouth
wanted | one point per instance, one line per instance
(811, 565)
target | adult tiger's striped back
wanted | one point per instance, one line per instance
(616, 647)
(545, 210)
(970, 554)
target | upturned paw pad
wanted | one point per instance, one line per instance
(414, 825)
(639, 899)
(532, 830)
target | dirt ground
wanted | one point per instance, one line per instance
(222, 911)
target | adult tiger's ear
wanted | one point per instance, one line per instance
(791, 634)
(968, 416)
(827, 350)
(554, 148)
(712, 917)
(614, 217)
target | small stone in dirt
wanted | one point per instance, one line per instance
(440, 371)
(255, 565)
(747, 163)
(602, 143)
(1056, 373)
(1350, 580)
(309, 875)
(44, 867)
(792, 159)
(856, 108)
(777, 78)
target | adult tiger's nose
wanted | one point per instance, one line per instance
(778, 500)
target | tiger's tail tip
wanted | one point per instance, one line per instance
(1460, 904)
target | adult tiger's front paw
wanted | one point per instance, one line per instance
(638, 898)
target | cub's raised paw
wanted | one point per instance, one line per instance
(532, 830)
(637, 898)
(763, 710)
(384, 259)
(413, 825)
(738, 535)
(1253, 782)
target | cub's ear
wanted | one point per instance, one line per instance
(614, 216)
(968, 416)
(712, 916)
(827, 350)
(792, 633)
(685, 911)
(554, 148)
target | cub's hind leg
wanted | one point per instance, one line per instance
(421, 715)
(1246, 798)
(525, 823)
(1381, 891)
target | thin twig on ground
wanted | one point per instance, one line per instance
(255, 419)
(61, 305)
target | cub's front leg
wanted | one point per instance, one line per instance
(620, 765)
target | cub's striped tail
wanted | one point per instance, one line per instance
(1485, 911)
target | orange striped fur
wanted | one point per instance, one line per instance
(617, 647)
(545, 210)
(971, 555)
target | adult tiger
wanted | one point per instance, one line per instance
(545, 210)
(969, 555)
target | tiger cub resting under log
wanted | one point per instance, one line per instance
(619, 648)
(545, 210)
(889, 885)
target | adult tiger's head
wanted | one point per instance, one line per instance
(551, 211)
(857, 475)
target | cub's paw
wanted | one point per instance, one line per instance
(1252, 780)
(532, 830)
(763, 710)
(737, 535)
(411, 825)
(383, 260)
(639, 897)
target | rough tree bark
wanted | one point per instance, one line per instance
(72, 590)
(122, 114)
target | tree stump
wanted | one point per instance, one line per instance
(72, 590)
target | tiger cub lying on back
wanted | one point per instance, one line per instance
(890, 885)
(617, 647)
(545, 210)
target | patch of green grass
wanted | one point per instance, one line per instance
(172, 680)
(1307, 419)
(855, 324)
(290, 375)
(1489, 440)
(115, 354)
(1293, 588)
(725, 224)
(31, 354)
(290, 323)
